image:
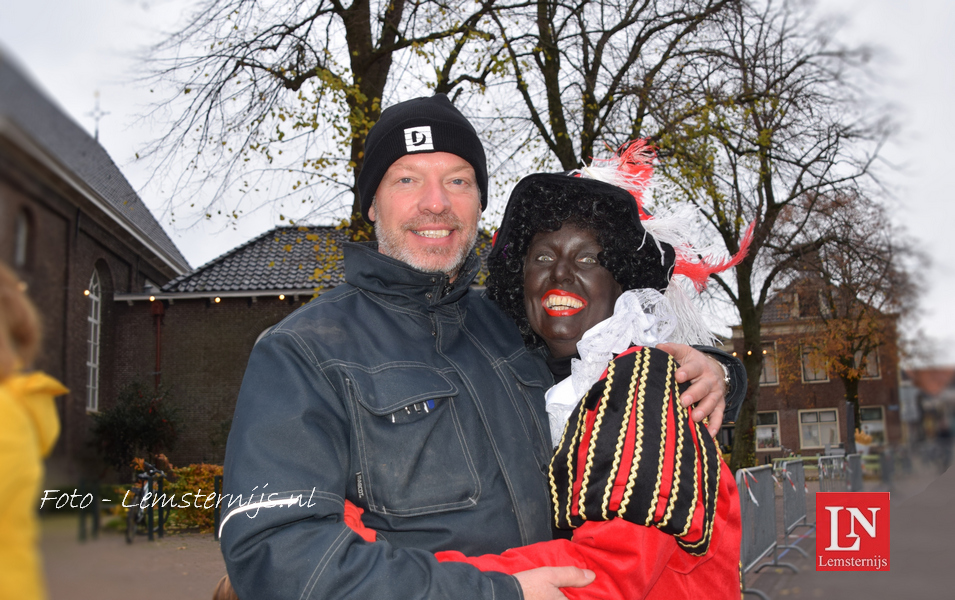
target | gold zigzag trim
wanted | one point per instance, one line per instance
(662, 452)
(553, 478)
(593, 441)
(708, 528)
(638, 445)
(618, 452)
(571, 475)
(678, 451)
(700, 449)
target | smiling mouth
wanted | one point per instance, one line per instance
(558, 303)
(432, 233)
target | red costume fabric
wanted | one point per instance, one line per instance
(633, 561)
(654, 508)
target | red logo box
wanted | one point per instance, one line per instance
(852, 531)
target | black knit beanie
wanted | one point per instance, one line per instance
(419, 125)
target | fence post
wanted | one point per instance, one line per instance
(855, 483)
(216, 514)
(82, 532)
(95, 506)
(162, 510)
(149, 508)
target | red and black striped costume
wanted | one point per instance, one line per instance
(654, 508)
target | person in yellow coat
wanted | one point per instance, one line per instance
(28, 429)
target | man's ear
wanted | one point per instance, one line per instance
(371, 212)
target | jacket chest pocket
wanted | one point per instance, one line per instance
(410, 442)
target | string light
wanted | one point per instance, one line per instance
(281, 296)
(86, 292)
(152, 298)
(218, 299)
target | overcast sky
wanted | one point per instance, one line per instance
(74, 49)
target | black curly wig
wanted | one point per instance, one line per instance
(544, 202)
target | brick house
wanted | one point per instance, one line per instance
(75, 232)
(802, 406)
(195, 334)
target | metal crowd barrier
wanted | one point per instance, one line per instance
(795, 513)
(833, 474)
(855, 472)
(757, 504)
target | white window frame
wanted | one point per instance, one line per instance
(95, 320)
(807, 353)
(865, 425)
(871, 359)
(779, 437)
(769, 350)
(822, 442)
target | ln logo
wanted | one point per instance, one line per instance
(418, 139)
(852, 531)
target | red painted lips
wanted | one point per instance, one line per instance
(560, 303)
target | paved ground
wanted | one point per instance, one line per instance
(180, 567)
(188, 567)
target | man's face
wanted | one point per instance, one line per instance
(426, 211)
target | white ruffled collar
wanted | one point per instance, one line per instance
(643, 317)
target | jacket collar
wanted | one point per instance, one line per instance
(368, 269)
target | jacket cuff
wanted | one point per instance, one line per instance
(736, 390)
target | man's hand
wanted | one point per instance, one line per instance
(544, 583)
(707, 389)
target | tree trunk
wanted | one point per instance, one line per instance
(370, 67)
(852, 397)
(744, 442)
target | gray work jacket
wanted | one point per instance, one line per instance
(416, 401)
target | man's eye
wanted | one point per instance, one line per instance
(590, 260)
(544, 258)
(404, 180)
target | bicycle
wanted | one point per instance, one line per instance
(136, 514)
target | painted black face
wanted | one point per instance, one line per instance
(566, 289)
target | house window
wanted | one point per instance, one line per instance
(873, 423)
(725, 437)
(871, 370)
(21, 245)
(767, 430)
(813, 366)
(818, 428)
(92, 360)
(769, 375)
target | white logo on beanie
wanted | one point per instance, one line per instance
(418, 139)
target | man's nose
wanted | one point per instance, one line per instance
(434, 198)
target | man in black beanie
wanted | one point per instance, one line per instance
(426, 163)
(403, 390)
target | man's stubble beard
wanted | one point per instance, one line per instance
(428, 260)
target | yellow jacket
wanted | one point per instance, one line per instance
(28, 429)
